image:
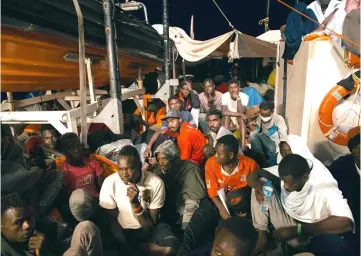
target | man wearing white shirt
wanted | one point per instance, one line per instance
(133, 200)
(234, 104)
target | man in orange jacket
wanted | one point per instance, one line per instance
(189, 139)
(154, 111)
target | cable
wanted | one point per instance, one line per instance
(229, 23)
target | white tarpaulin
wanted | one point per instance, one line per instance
(272, 36)
(244, 46)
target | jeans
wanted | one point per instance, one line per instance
(203, 123)
(263, 144)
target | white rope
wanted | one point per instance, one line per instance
(219, 8)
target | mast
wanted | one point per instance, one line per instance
(166, 43)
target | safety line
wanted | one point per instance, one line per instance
(304, 15)
(219, 8)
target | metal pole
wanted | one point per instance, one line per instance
(113, 65)
(166, 42)
(108, 7)
(284, 91)
(82, 74)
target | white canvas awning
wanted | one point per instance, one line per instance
(243, 46)
(272, 36)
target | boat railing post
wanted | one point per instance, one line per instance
(113, 64)
(88, 63)
(82, 78)
(166, 44)
(140, 78)
(10, 101)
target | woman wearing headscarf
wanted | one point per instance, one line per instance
(184, 185)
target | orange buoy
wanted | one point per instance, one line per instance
(325, 111)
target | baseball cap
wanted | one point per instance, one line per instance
(173, 113)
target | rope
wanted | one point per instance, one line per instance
(219, 8)
(322, 25)
(264, 22)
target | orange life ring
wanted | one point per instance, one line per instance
(316, 37)
(325, 114)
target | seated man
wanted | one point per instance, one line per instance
(184, 185)
(221, 85)
(234, 104)
(154, 111)
(215, 120)
(210, 100)
(133, 200)
(346, 170)
(227, 189)
(227, 171)
(189, 139)
(307, 210)
(175, 103)
(43, 187)
(43, 150)
(158, 137)
(234, 237)
(186, 95)
(270, 133)
(83, 177)
(20, 236)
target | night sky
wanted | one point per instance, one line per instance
(209, 22)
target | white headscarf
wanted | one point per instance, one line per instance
(308, 205)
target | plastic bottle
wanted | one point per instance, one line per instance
(267, 190)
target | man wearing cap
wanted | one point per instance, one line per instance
(346, 170)
(190, 140)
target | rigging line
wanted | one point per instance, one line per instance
(219, 8)
(322, 25)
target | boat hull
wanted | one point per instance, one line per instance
(35, 61)
(38, 36)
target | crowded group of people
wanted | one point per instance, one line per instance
(192, 190)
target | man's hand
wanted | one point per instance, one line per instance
(132, 193)
(224, 214)
(285, 234)
(189, 85)
(152, 161)
(36, 242)
(260, 197)
(147, 152)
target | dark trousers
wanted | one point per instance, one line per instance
(161, 235)
(205, 220)
(201, 228)
(329, 245)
